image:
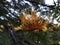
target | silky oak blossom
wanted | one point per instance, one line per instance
(30, 22)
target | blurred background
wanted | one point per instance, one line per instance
(10, 29)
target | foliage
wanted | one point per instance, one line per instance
(10, 24)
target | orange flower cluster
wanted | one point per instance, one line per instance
(32, 22)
